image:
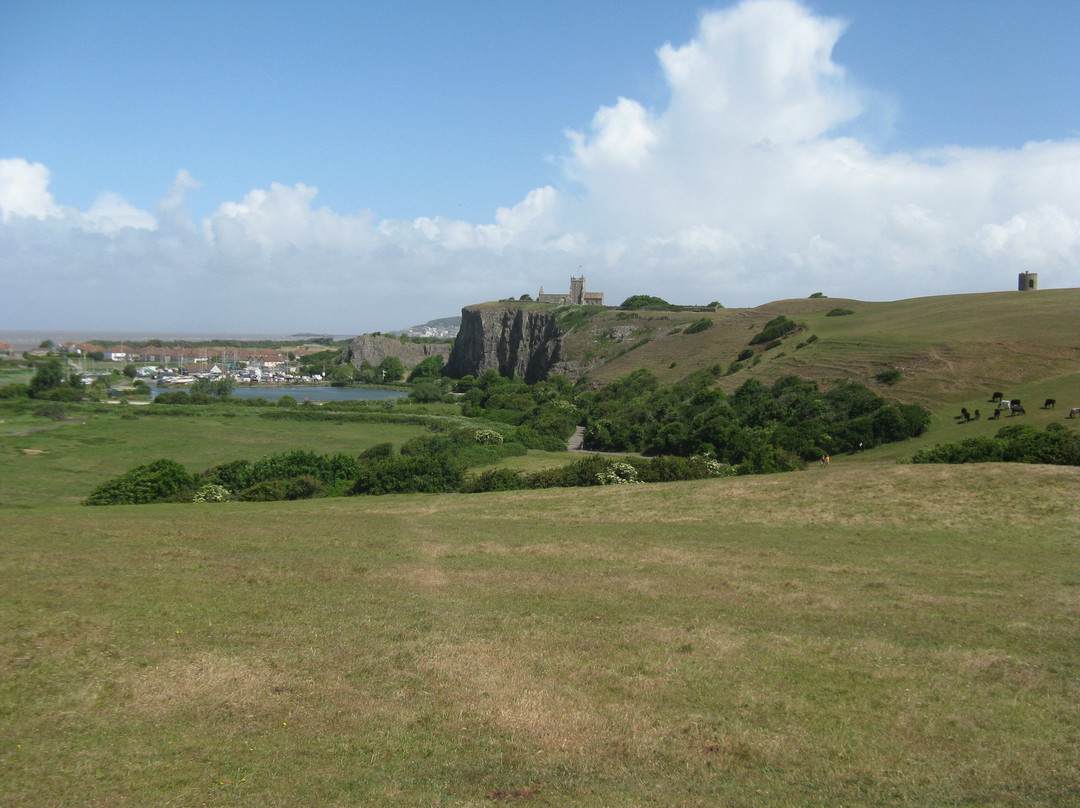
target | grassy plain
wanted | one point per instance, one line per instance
(865, 635)
(898, 635)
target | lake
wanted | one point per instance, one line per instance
(309, 392)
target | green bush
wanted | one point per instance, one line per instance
(839, 312)
(303, 486)
(698, 326)
(637, 302)
(160, 481)
(500, 479)
(235, 476)
(380, 451)
(775, 329)
(173, 397)
(890, 376)
(54, 411)
(416, 474)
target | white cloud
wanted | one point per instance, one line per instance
(24, 190)
(743, 187)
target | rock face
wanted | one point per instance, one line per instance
(510, 340)
(373, 349)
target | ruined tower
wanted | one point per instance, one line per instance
(1028, 281)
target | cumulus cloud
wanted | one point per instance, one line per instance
(24, 191)
(745, 186)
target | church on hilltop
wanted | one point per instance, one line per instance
(577, 297)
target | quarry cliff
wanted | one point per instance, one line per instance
(372, 349)
(513, 340)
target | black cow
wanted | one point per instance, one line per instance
(996, 397)
(1049, 404)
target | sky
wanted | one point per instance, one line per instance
(279, 167)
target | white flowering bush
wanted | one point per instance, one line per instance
(488, 437)
(617, 474)
(212, 493)
(713, 468)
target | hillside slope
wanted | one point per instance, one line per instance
(949, 349)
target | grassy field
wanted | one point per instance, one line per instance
(890, 635)
(871, 634)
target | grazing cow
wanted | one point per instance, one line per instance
(1017, 410)
(1049, 404)
(965, 414)
(996, 397)
(1074, 412)
(997, 414)
(976, 416)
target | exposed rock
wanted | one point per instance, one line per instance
(510, 340)
(374, 348)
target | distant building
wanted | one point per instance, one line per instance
(577, 297)
(1028, 281)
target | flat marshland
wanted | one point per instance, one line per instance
(867, 634)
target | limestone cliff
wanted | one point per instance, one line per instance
(374, 348)
(510, 340)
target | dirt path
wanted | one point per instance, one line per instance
(576, 440)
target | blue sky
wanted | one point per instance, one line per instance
(348, 167)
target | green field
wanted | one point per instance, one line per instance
(871, 634)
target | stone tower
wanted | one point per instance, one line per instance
(1029, 281)
(577, 290)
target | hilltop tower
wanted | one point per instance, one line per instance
(1028, 281)
(577, 290)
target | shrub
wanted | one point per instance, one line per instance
(775, 329)
(54, 412)
(890, 376)
(303, 486)
(380, 451)
(500, 479)
(173, 397)
(488, 436)
(159, 481)
(839, 312)
(646, 302)
(698, 326)
(212, 493)
(235, 476)
(415, 474)
(617, 473)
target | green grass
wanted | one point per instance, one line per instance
(895, 635)
(871, 634)
(44, 462)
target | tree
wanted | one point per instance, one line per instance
(221, 388)
(130, 371)
(429, 368)
(391, 369)
(48, 376)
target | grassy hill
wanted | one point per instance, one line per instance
(950, 349)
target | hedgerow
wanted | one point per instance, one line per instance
(1014, 443)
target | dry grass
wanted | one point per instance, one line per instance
(875, 635)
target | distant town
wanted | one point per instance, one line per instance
(184, 364)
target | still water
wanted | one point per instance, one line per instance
(310, 393)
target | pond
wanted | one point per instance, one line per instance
(307, 392)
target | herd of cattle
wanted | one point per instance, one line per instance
(1013, 407)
